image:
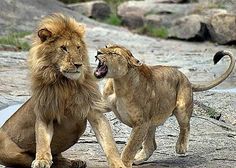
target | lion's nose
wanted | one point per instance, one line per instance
(77, 65)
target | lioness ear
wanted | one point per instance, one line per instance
(109, 45)
(81, 30)
(44, 34)
(135, 61)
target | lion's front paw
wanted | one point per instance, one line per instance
(78, 164)
(41, 164)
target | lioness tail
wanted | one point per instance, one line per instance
(217, 57)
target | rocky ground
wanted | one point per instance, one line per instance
(212, 142)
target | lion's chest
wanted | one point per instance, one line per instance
(77, 107)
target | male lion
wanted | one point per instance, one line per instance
(64, 96)
(143, 97)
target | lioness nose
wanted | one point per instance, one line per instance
(77, 65)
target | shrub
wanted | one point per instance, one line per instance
(113, 19)
(14, 39)
(152, 31)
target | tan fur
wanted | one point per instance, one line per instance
(64, 96)
(143, 97)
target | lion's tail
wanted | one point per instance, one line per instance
(216, 58)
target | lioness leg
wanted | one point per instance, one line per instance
(11, 154)
(135, 141)
(183, 113)
(148, 147)
(60, 162)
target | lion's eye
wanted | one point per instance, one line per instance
(113, 54)
(63, 48)
(78, 47)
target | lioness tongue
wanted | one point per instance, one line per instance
(100, 70)
(98, 73)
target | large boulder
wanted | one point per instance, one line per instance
(152, 7)
(168, 1)
(222, 28)
(154, 12)
(132, 20)
(93, 9)
(160, 20)
(190, 27)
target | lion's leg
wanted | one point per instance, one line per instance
(183, 114)
(60, 162)
(148, 147)
(11, 154)
(44, 134)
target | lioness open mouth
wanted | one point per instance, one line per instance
(101, 70)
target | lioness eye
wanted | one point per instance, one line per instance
(64, 48)
(99, 52)
(78, 47)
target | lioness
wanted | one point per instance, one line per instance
(64, 96)
(143, 97)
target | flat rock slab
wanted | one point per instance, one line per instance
(212, 143)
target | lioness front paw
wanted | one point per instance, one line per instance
(41, 164)
(127, 164)
(121, 165)
(181, 148)
(141, 156)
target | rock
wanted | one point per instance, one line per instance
(24, 14)
(4, 47)
(213, 11)
(222, 28)
(160, 20)
(212, 142)
(131, 7)
(152, 12)
(153, 20)
(190, 27)
(144, 8)
(209, 13)
(93, 9)
(132, 20)
(168, 1)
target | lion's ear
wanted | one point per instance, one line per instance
(135, 62)
(44, 34)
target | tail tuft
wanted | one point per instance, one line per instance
(217, 57)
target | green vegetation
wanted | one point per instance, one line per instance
(14, 40)
(72, 1)
(211, 112)
(152, 31)
(113, 19)
(114, 4)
